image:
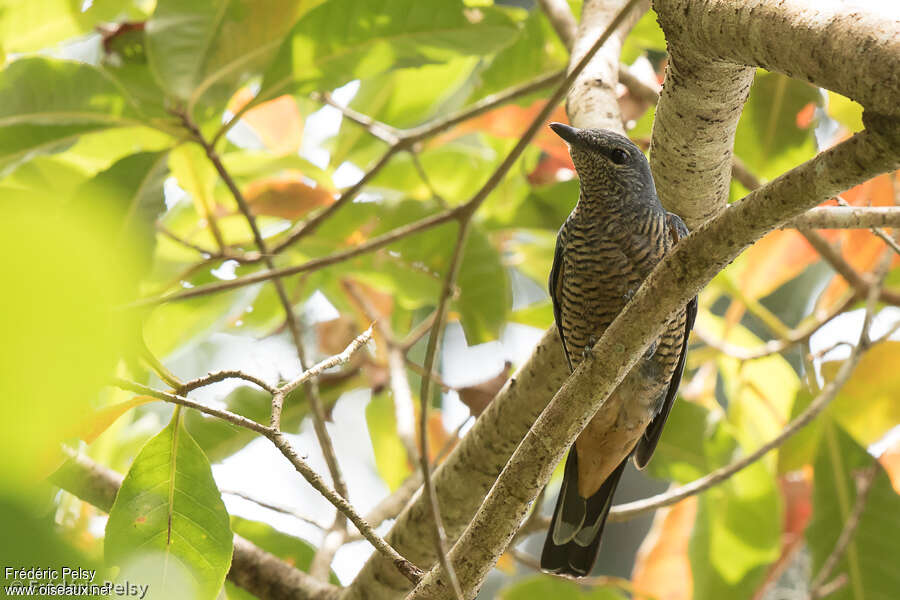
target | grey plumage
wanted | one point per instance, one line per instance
(614, 237)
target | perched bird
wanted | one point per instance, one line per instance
(610, 242)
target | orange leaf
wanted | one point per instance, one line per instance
(662, 569)
(287, 196)
(860, 247)
(277, 122)
(100, 420)
(774, 260)
(510, 122)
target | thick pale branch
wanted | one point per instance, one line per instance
(714, 48)
(679, 277)
(265, 576)
(592, 100)
(847, 217)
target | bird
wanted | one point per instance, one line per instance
(613, 238)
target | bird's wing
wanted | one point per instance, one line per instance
(556, 278)
(650, 438)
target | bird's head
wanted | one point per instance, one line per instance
(608, 163)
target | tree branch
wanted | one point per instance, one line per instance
(561, 18)
(676, 279)
(847, 217)
(711, 68)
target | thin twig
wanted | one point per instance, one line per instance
(193, 384)
(311, 389)
(440, 540)
(844, 269)
(863, 485)
(407, 139)
(312, 265)
(332, 361)
(225, 415)
(409, 570)
(206, 252)
(274, 507)
(795, 336)
(382, 131)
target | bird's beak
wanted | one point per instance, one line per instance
(566, 132)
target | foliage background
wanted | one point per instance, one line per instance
(108, 200)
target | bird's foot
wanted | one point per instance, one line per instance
(629, 294)
(588, 351)
(651, 350)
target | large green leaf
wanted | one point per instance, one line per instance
(542, 587)
(169, 506)
(390, 456)
(738, 525)
(870, 560)
(769, 138)
(760, 392)
(129, 195)
(46, 104)
(536, 51)
(401, 98)
(485, 296)
(344, 40)
(199, 47)
(867, 405)
(27, 25)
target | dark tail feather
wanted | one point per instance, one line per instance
(573, 538)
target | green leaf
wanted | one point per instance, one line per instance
(390, 456)
(484, 292)
(64, 284)
(769, 139)
(542, 587)
(344, 40)
(28, 25)
(130, 196)
(737, 532)
(536, 51)
(402, 98)
(295, 551)
(760, 392)
(169, 504)
(202, 47)
(801, 448)
(870, 558)
(845, 111)
(47, 104)
(645, 35)
(867, 405)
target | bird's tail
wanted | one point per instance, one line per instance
(574, 535)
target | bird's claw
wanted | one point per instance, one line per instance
(651, 350)
(629, 294)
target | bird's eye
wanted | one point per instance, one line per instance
(618, 156)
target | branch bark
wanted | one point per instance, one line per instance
(592, 100)
(713, 49)
(676, 279)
